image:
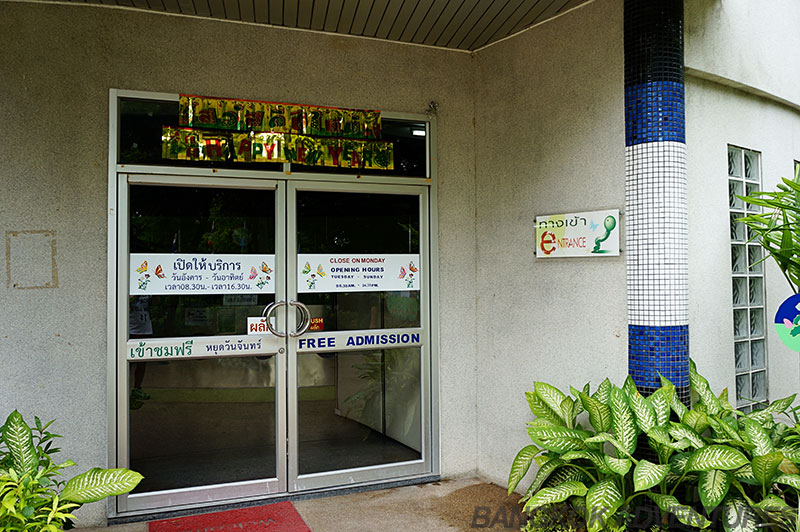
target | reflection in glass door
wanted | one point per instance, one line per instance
(356, 377)
(202, 403)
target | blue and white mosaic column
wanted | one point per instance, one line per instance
(655, 195)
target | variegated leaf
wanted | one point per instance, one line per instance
(569, 411)
(599, 413)
(765, 467)
(98, 484)
(603, 392)
(544, 472)
(726, 427)
(791, 453)
(18, 438)
(771, 503)
(789, 480)
(555, 494)
(680, 431)
(565, 474)
(679, 461)
(620, 466)
(629, 386)
(622, 423)
(700, 385)
(758, 436)
(777, 433)
(557, 439)
(685, 514)
(578, 404)
(675, 403)
(647, 474)
(660, 434)
(643, 410)
(724, 402)
(660, 401)
(579, 505)
(602, 500)
(716, 457)
(737, 516)
(541, 410)
(664, 452)
(713, 486)
(696, 420)
(745, 474)
(593, 456)
(606, 437)
(520, 466)
(780, 405)
(551, 395)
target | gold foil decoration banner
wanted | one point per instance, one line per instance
(193, 145)
(249, 115)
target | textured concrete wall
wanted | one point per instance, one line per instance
(718, 116)
(551, 139)
(752, 43)
(58, 65)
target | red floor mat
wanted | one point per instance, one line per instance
(278, 517)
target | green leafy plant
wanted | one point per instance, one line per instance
(741, 466)
(32, 497)
(777, 227)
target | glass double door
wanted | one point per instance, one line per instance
(273, 337)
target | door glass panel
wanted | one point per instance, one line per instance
(201, 221)
(344, 224)
(202, 422)
(359, 408)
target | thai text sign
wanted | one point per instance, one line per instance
(251, 115)
(180, 273)
(194, 145)
(357, 273)
(200, 347)
(582, 234)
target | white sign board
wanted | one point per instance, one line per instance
(580, 234)
(181, 273)
(358, 273)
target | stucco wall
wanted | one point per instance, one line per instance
(550, 135)
(717, 116)
(752, 43)
(58, 65)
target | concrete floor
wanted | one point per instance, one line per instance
(446, 506)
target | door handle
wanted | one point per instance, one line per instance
(267, 313)
(306, 321)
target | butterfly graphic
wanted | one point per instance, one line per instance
(159, 272)
(402, 272)
(593, 225)
(142, 268)
(306, 268)
(266, 269)
(412, 267)
(253, 272)
(320, 271)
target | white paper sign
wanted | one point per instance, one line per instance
(358, 273)
(199, 347)
(182, 273)
(580, 234)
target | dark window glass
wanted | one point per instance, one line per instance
(202, 221)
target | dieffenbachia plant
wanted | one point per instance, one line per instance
(31, 496)
(740, 463)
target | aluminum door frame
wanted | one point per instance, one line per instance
(361, 475)
(196, 495)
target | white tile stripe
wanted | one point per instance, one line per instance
(656, 227)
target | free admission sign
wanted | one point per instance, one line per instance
(358, 273)
(580, 234)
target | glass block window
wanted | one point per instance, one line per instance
(747, 282)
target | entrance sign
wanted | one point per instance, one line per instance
(358, 273)
(182, 273)
(581, 234)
